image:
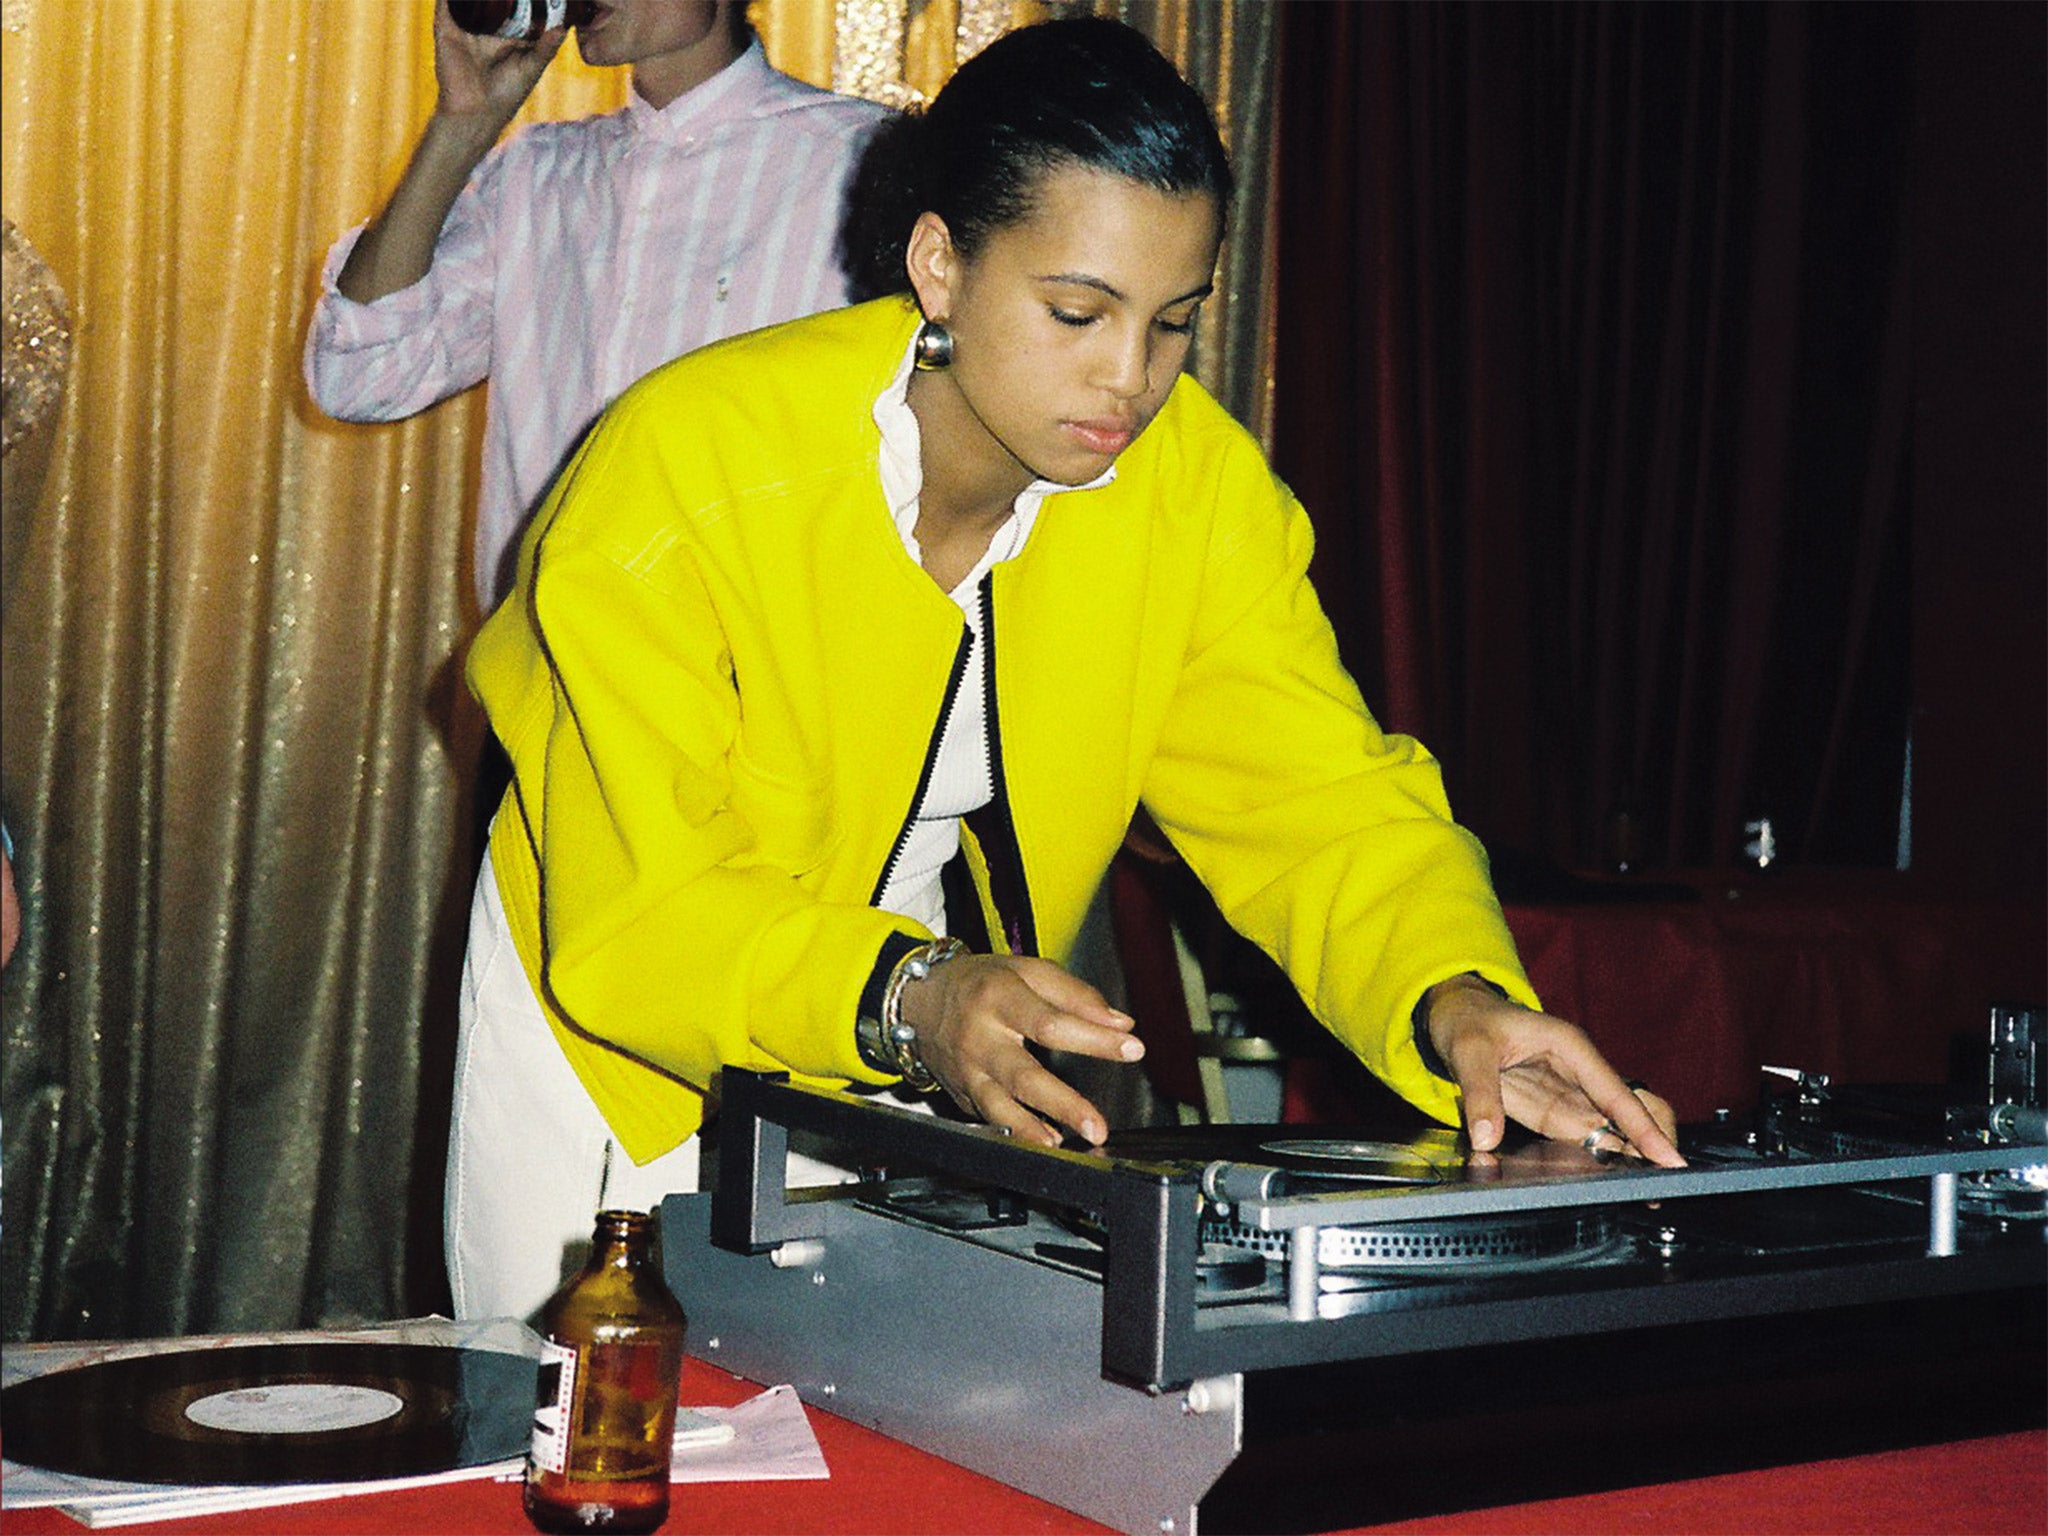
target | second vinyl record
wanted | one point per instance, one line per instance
(261, 1414)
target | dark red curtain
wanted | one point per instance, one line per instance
(1592, 372)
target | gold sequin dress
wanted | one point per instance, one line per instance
(35, 354)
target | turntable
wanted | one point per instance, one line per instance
(1288, 1328)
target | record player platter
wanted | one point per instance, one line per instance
(1423, 1157)
(1510, 1243)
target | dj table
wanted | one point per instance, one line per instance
(1996, 1486)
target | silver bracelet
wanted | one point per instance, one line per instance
(898, 1039)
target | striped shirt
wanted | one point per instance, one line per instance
(581, 255)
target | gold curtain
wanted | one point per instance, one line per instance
(236, 747)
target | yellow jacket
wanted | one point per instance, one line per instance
(720, 674)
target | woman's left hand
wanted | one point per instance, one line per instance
(1544, 1072)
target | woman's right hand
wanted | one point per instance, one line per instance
(977, 1017)
(485, 80)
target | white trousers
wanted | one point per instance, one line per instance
(530, 1159)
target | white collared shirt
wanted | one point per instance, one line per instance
(960, 779)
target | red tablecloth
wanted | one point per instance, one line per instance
(1969, 1488)
(880, 1487)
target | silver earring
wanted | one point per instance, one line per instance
(933, 348)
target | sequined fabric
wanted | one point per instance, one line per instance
(35, 345)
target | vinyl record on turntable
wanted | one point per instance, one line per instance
(1373, 1162)
(1395, 1149)
(259, 1414)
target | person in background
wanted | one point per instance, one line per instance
(956, 579)
(581, 254)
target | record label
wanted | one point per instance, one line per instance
(263, 1414)
(294, 1408)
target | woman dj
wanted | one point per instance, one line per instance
(970, 572)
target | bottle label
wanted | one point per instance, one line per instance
(553, 1406)
(530, 18)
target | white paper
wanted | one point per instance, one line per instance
(182, 1503)
(766, 1439)
(696, 1427)
(772, 1441)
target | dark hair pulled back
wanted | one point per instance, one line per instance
(1087, 92)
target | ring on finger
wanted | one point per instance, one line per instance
(1591, 1140)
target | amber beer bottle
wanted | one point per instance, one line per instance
(605, 1414)
(523, 19)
